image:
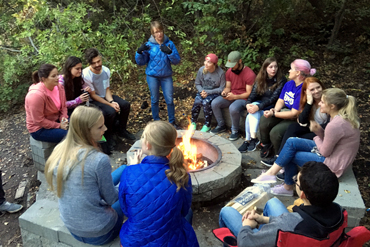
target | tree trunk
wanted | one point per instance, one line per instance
(338, 21)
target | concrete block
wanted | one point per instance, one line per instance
(227, 118)
(233, 159)
(220, 191)
(206, 196)
(229, 172)
(209, 180)
(218, 140)
(41, 144)
(194, 182)
(30, 239)
(203, 135)
(42, 219)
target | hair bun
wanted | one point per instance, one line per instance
(312, 71)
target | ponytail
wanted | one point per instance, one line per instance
(35, 77)
(345, 104)
(43, 72)
(177, 173)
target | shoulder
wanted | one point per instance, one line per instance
(86, 73)
(219, 70)
(106, 70)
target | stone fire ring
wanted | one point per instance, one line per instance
(215, 181)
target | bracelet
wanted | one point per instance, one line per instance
(111, 101)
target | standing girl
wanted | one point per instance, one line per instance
(210, 82)
(336, 146)
(156, 194)
(263, 97)
(88, 199)
(159, 53)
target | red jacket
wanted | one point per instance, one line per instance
(41, 111)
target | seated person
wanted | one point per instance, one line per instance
(74, 86)
(87, 196)
(46, 111)
(318, 216)
(155, 195)
(239, 83)
(113, 107)
(309, 109)
(210, 82)
(276, 121)
(336, 147)
(265, 93)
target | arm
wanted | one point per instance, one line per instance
(35, 104)
(199, 81)
(293, 113)
(245, 95)
(105, 182)
(333, 133)
(109, 98)
(227, 88)
(142, 59)
(187, 200)
(122, 192)
(73, 103)
(174, 56)
(253, 96)
(304, 117)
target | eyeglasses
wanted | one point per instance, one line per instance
(295, 180)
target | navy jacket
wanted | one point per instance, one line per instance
(154, 209)
(159, 63)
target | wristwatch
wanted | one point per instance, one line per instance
(111, 101)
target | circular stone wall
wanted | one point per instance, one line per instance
(213, 182)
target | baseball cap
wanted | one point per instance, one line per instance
(212, 58)
(233, 59)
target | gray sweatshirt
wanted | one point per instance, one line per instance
(86, 208)
(211, 83)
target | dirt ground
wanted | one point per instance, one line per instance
(16, 163)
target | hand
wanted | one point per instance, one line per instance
(252, 108)
(84, 97)
(87, 89)
(268, 113)
(142, 48)
(64, 124)
(203, 94)
(115, 105)
(247, 221)
(309, 97)
(166, 49)
(230, 96)
(136, 158)
(314, 126)
(223, 94)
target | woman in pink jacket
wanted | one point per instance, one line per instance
(46, 110)
(336, 146)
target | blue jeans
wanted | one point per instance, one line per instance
(232, 219)
(49, 135)
(235, 107)
(112, 234)
(167, 87)
(296, 151)
(251, 122)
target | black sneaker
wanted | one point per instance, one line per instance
(244, 147)
(218, 130)
(265, 151)
(269, 161)
(253, 144)
(281, 176)
(234, 136)
(127, 135)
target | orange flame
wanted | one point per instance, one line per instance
(190, 151)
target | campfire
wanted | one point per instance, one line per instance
(193, 159)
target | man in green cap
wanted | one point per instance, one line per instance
(239, 83)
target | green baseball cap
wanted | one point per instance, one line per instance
(233, 59)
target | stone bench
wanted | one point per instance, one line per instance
(227, 118)
(41, 152)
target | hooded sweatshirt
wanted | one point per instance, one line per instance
(41, 111)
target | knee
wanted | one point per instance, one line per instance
(124, 105)
(109, 112)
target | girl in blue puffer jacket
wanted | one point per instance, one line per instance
(159, 53)
(156, 194)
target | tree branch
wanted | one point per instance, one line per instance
(9, 49)
(33, 45)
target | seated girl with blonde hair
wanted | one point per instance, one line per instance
(88, 198)
(156, 194)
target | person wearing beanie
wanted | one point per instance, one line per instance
(239, 84)
(210, 82)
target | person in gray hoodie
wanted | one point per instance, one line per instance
(87, 196)
(318, 216)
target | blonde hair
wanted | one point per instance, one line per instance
(156, 24)
(345, 104)
(65, 154)
(162, 137)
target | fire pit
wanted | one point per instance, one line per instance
(218, 177)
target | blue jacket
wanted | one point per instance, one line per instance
(159, 63)
(154, 209)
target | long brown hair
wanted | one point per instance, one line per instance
(162, 137)
(305, 84)
(262, 76)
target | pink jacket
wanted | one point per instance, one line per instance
(339, 144)
(41, 111)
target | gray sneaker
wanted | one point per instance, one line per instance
(10, 207)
